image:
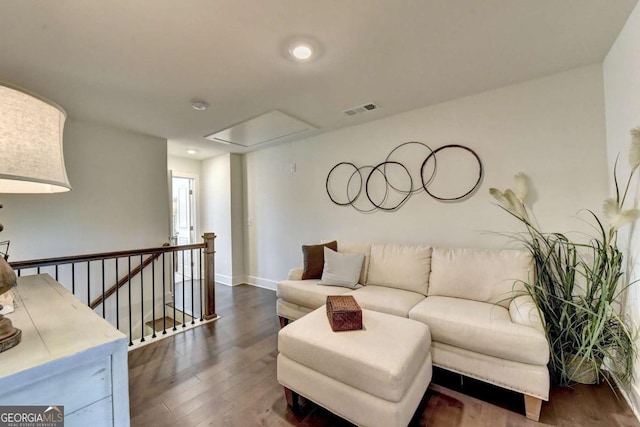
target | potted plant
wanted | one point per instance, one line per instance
(577, 286)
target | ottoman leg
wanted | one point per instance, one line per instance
(292, 399)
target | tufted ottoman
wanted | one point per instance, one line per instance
(372, 377)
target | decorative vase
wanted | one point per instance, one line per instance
(9, 335)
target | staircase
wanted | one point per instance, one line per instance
(182, 310)
(167, 322)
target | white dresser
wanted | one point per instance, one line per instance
(68, 356)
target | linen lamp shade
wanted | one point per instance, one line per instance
(31, 161)
(31, 157)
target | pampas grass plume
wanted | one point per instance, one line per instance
(515, 202)
(625, 217)
(521, 187)
(501, 199)
(618, 218)
(610, 209)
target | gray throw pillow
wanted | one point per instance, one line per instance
(341, 269)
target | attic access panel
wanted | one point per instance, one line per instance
(265, 128)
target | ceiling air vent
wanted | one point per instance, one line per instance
(361, 109)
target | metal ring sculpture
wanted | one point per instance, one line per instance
(433, 174)
(404, 194)
(450, 199)
(388, 184)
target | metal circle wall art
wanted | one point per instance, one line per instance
(381, 205)
(388, 185)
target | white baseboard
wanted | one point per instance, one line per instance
(223, 279)
(633, 399)
(262, 283)
(228, 280)
(223, 283)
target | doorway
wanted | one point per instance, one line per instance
(186, 285)
(183, 210)
(183, 222)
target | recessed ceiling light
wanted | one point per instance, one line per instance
(301, 48)
(301, 51)
(190, 151)
(199, 105)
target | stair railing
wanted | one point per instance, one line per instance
(124, 280)
(88, 274)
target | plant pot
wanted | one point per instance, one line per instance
(582, 373)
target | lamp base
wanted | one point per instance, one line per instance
(9, 336)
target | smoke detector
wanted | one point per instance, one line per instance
(365, 108)
(199, 105)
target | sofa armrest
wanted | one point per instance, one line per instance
(295, 274)
(523, 311)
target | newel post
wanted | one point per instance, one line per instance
(209, 276)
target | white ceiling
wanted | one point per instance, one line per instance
(138, 64)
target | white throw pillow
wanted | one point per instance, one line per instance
(341, 269)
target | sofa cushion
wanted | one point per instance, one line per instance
(400, 266)
(492, 276)
(386, 300)
(517, 376)
(341, 269)
(313, 259)
(523, 311)
(307, 293)
(358, 248)
(381, 360)
(295, 274)
(481, 327)
(291, 311)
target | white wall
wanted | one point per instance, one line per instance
(119, 201)
(180, 165)
(222, 214)
(236, 165)
(622, 106)
(119, 198)
(216, 208)
(551, 128)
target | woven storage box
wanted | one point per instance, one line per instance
(344, 313)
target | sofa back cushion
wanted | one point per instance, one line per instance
(397, 266)
(492, 276)
(357, 248)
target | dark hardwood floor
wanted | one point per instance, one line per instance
(224, 374)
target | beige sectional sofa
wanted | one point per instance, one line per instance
(482, 323)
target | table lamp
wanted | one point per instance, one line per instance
(31, 161)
